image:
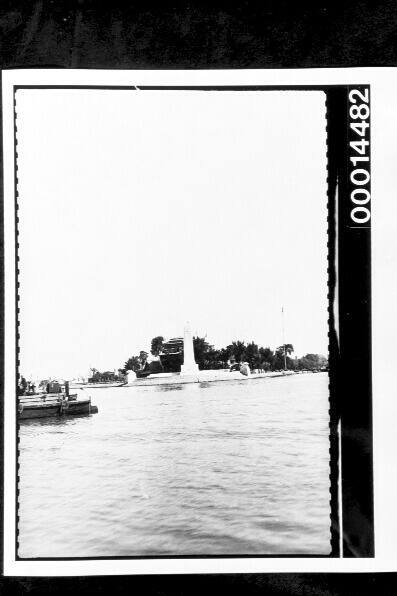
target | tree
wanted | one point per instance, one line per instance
(313, 362)
(266, 356)
(143, 356)
(224, 356)
(133, 364)
(201, 348)
(278, 361)
(238, 350)
(213, 359)
(281, 360)
(156, 345)
(252, 355)
(289, 348)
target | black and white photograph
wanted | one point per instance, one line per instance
(188, 378)
(173, 390)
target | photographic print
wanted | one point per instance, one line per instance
(173, 380)
(182, 314)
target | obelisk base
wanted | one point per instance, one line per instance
(189, 370)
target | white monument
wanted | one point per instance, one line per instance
(189, 366)
(131, 377)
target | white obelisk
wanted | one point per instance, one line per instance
(189, 366)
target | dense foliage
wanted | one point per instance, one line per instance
(156, 345)
(208, 357)
(105, 377)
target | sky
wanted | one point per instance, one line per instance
(140, 210)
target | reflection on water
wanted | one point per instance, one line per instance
(166, 387)
(216, 468)
(55, 421)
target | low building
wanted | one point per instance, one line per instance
(171, 355)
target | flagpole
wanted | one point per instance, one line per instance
(285, 355)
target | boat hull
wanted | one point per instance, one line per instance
(27, 411)
(77, 407)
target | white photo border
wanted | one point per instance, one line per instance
(12, 79)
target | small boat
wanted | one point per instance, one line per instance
(104, 385)
(77, 384)
(53, 404)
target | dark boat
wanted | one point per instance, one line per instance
(51, 405)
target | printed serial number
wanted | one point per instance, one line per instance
(359, 158)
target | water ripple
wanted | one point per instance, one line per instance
(236, 468)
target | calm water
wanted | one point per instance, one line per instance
(224, 468)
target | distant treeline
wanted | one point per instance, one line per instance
(207, 357)
(106, 376)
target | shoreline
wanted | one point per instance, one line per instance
(206, 377)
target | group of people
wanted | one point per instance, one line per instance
(26, 387)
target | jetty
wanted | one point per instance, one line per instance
(54, 403)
